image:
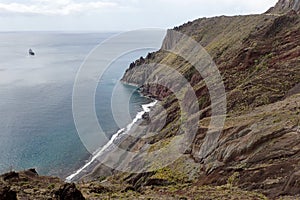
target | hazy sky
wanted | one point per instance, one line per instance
(110, 15)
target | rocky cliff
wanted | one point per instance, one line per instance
(256, 152)
(284, 6)
(258, 57)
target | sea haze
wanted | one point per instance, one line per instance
(36, 121)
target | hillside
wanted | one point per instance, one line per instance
(254, 155)
(258, 57)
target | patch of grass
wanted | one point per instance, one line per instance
(170, 175)
(233, 180)
(51, 186)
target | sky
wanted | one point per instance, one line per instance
(116, 15)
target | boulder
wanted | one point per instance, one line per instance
(68, 191)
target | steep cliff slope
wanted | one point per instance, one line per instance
(258, 57)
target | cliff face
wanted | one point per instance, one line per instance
(257, 56)
(258, 149)
(284, 6)
(259, 59)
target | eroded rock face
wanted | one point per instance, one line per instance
(263, 147)
(258, 57)
(284, 6)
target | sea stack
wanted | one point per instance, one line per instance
(31, 52)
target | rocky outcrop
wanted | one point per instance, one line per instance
(284, 6)
(10, 176)
(29, 185)
(68, 191)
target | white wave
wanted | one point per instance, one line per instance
(146, 109)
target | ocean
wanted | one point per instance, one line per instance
(37, 129)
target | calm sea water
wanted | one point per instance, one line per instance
(36, 123)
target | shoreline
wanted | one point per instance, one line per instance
(88, 166)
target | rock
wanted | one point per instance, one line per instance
(28, 191)
(7, 194)
(31, 173)
(138, 180)
(69, 191)
(146, 119)
(10, 176)
(183, 198)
